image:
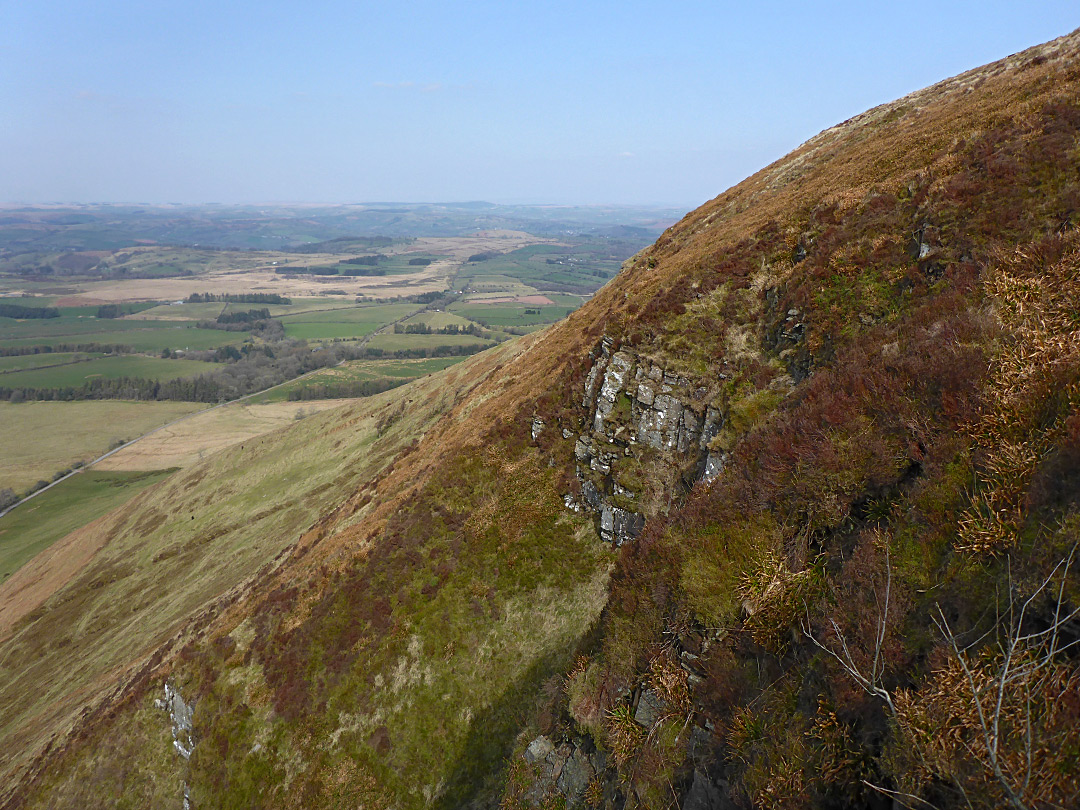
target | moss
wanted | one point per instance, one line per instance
(620, 413)
(719, 559)
(743, 414)
(631, 473)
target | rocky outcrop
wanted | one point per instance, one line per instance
(565, 770)
(572, 771)
(182, 715)
(635, 408)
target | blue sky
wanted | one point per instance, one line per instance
(546, 102)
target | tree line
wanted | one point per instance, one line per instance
(17, 311)
(254, 369)
(237, 298)
(451, 329)
(104, 348)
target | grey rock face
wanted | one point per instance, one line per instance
(658, 426)
(701, 743)
(689, 431)
(614, 380)
(590, 383)
(618, 524)
(537, 427)
(181, 714)
(564, 770)
(704, 795)
(711, 427)
(593, 497)
(660, 417)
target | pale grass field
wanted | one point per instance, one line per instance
(434, 277)
(37, 439)
(192, 440)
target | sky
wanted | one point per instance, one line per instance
(541, 102)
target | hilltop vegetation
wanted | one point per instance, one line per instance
(786, 515)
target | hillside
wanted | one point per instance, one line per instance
(785, 516)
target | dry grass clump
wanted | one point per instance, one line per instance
(1036, 380)
(776, 599)
(991, 743)
(623, 736)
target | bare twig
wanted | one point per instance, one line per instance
(899, 796)
(1025, 658)
(872, 684)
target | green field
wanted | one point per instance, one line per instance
(43, 520)
(399, 263)
(142, 336)
(177, 312)
(493, 284)
(329, 331)
(561, 268)
(112, 367)
(210, 310)
(65, 326)
(513, 314)
(375, 313)
(29, 300)
(26, 361)
(356, 321)
(393, 343)
(358, 371)
(40, 438)
(438, 320)
(91, 310)
(298, 305)
(394, 265)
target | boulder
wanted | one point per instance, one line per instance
(538, 749)
(575, 776)
(650, 707)
(646, 394)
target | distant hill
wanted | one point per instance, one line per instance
(277, 227)
(786, 515)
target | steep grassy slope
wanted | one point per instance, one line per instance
(845, 399)
(177, 553)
